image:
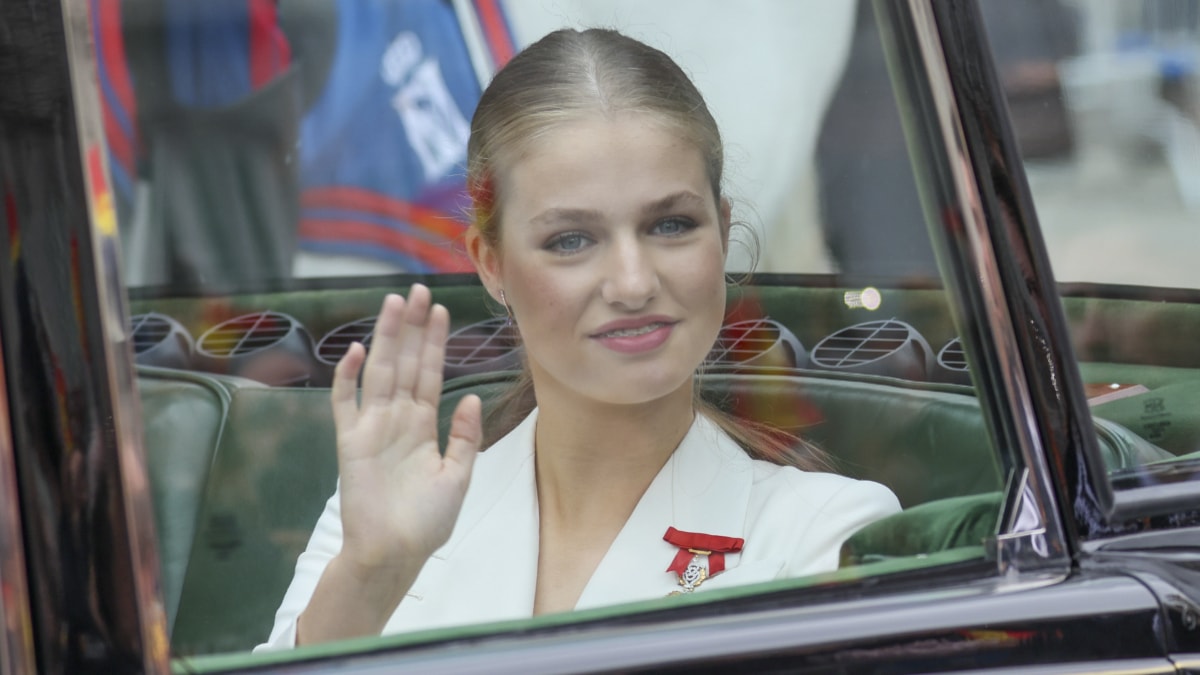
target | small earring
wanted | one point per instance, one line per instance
(508, 317)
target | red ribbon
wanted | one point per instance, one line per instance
(688, 542)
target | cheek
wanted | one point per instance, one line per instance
(539, 297)
(705, 278)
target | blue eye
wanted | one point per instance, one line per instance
(673, 226)
(568, 242)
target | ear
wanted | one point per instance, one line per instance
(726, 215)
(486, 260)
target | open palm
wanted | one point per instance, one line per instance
(400, 495)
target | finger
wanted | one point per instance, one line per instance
(429, 375)
(379, 374)
(345, 384)
(412, 338)
(466, 433)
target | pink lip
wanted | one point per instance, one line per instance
(635, 344)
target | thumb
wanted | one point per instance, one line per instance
(466, 432)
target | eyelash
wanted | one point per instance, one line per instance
(555, 243)
(686, 225)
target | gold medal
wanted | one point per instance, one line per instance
(700, 556)
(696, 571)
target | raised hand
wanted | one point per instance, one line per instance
(399, 495)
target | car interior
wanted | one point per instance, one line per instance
(240, 440)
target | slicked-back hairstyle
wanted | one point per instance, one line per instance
(569, 74)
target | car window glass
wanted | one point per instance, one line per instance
(1105, 102)
(271, 195)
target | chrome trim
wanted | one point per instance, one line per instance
(16, 643)
(126, 423)
(1024, 530)
(1118, 667)
(982, 261)
(1186, 662)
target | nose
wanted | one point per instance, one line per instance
(631, 277)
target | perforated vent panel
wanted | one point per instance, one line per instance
(335, 343)
(952, 364)
(149, 330)
(246, 334)
(861, 343)
(486, 346)
(756, 343)
(158, 340)
(483, 346)
(952, 356)
(744, 340)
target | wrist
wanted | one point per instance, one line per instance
(383, 579)
(354, 600)
(375, 589)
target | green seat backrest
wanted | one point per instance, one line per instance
(183, 414)
(923, 443)
(1166, 415)
(276, 466)
(967, 521)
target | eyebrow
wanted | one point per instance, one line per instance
(584, 217)
(572, 217)
(673, 201)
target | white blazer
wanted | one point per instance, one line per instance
(793, 523)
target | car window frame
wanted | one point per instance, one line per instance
(16, 633)
(989, 283)
(1100, 510)
(76, 461)
(989, 248)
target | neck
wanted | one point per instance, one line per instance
(594, 461)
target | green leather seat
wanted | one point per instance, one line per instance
(967, 521)
(923, 443)
(183, 414)
(276, 466)
(940, 525)
(1165, 415)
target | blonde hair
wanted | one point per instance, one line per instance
(566, 75)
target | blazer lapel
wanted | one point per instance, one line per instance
(487, 571)
(704, 487)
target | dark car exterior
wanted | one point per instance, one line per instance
(1086, 567)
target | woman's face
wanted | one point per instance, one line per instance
(611, 259)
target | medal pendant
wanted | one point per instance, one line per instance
(699, 557)
(695, 573)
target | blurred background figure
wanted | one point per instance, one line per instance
(1124, 207)
(202, 103)
(869, 208)
(251, 139)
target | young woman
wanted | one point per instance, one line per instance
(595, 169)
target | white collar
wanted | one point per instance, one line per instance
(703, 487)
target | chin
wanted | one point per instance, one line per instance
(641, 390)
